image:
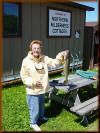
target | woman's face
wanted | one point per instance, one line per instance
(36, 50)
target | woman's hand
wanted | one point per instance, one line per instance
(65, 53)
(38, 84)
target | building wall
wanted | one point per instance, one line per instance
(34, 26)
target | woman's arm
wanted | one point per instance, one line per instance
(24, 73)
(58, 60)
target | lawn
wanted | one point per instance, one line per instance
(15, 114)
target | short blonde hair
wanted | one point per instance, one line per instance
(37, 42)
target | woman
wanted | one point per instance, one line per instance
(34, 74)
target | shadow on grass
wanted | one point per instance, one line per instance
(87, 92)
(53, 110)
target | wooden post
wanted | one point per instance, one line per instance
(66, 64)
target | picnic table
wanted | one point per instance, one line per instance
(75, 82)
(72, 99)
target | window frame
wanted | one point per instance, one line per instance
(19, 34)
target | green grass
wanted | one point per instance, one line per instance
(15, 113)
(14, 108)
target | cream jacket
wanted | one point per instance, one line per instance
(30, 72)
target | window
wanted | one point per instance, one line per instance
(11, 19)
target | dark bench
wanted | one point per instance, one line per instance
(85, 108)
